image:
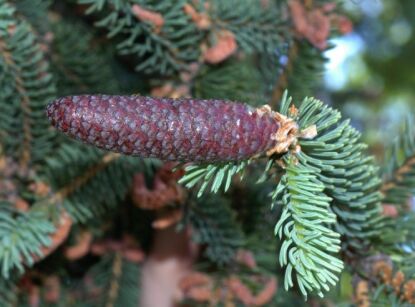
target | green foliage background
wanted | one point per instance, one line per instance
(326, 200)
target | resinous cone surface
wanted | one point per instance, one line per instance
(186, 130)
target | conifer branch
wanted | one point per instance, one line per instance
(27, 86)
(76, 60)
(22, 236)
(283, 79)
(163, 45)
(115, 280)
(399, 175)
(212, 176)
(256, 27)
(8, 293)
(24, 103)
(83, 178)
(311, 137)
(35, 12)
(71, 76)
(214, 224)
(234, 80)
(120, 278)
(398, 238)
(349, 176)
(309, 243)
(325, 189)
(388, 286)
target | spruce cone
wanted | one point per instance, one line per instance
(185, 130)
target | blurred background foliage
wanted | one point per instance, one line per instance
(371, 71)
(96, 46)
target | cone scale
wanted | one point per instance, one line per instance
(185, 130)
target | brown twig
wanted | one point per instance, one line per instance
(282, 82)
(25, 104)
(84, 178)
(68, 74)
(115, 281)
(398, 175)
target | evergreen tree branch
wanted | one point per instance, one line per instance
(214, 224)
(88, 181)
(283, 79)
(399, 175)
(22, 235)
(119, 278)
(80, 181)
(35, 12)
(350, 178)
(306, 70)
(257, 26)
(398, 238)
(8, 293)
(234, 80)
(213, 176)
(169, 46)
(27, 87)
(76, 60)
(24, 103)
(114, 285)
(164, 49)
(305, 223)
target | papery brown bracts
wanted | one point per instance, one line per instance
(185, 130)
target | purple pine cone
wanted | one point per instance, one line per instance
(186, 130)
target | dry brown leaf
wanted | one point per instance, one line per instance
(127, 247)
(21, 205)
(52, 289)
(148, 16)
(384, 270)
(390, 210)
(3, 163)
(34, 297)
(167, 218)
(397, 281)
(58, 237)
(40, 188)
(266, 294)
(225, 46)
(165, 189)
(409, 291)
(344, 24)
(81, 248)
(200, 294)
(246, 258)
(194, 279)
(202, 20)
(329, 7)
(240, 290)
(135, 255)
(362, 294)
(163, 90)
(312, 25)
